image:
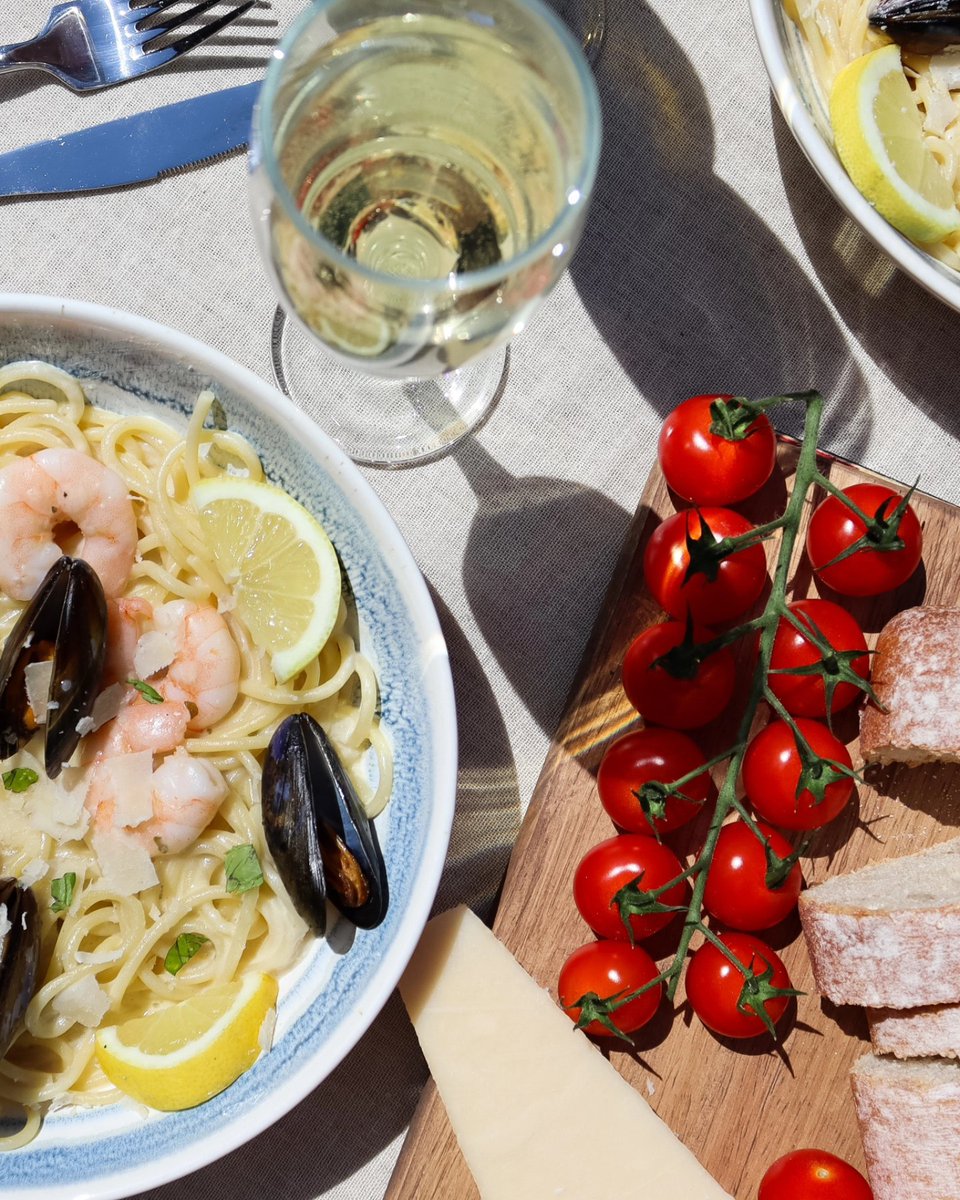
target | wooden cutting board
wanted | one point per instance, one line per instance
(737, 1106)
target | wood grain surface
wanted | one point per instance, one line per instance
(738, 1106)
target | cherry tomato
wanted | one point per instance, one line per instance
(771, 773)
(719, 991)
(734, 582)
(657, 757)
(610, 868)
(813, 1175)
(706, 468)
(605, 969)
(804, 695)
(736, 892)
(661, 697)
(866, 572)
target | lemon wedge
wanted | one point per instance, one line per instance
(879, 137)
(186, 1053)
(279, 563)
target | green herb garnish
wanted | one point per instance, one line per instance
(19, 779)
(182, 950)
(150, 694)
(62, 891)
(243, 869)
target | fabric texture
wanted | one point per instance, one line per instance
(713, 260)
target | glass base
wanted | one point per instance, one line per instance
(384, 422)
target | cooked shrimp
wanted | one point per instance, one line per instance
(185, 793)
(45, 494)
(139, 726)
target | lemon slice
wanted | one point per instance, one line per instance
(879, 137)
(188, 1052)
(279, 563)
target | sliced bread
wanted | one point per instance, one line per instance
(888, 935)
(930, 1032)
(909, 1117)
(915, 675)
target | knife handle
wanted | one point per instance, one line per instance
(61, 48)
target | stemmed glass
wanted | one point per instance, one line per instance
(420, 173)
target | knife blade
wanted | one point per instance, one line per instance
(133, 149)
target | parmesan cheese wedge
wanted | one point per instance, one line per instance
(536, 1108)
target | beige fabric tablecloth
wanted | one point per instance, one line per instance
(714, 259)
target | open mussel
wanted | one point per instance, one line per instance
(19, 956)
(323, 843)
(926, 26)
(64, 624)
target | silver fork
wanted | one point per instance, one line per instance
(90, 44)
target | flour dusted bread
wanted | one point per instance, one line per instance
(928, 1032)
(915, 675)
(909, 1117)
(888, 935)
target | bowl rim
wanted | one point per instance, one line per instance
(244, 1125)
(938, 279)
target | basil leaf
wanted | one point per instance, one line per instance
(62, 891)
(150, 694)
(182, 950)
(243, 869)
(19, 779)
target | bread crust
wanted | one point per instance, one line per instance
(915, 674)
(909, 1118)
(932, 1031)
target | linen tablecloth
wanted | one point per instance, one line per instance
(713, 260)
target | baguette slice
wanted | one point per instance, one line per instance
(909, 1117)
(888, 935)
(915, 675)
(930, 1032)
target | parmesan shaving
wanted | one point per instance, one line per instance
(36, 677)
(127, 868)
(83, 1002)
(5, 925)
(128, 778)
(155, 651)
(106, 706)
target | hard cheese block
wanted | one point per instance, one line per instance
(537, 1110)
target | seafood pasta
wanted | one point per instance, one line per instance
(187, 707)
(836, 32)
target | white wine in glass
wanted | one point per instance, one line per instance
(420, 172)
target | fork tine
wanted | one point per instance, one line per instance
(182, 45)
(175, 19)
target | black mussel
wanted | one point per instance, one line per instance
(19, 956)
(322, 841)
(926, 26)
(66, 624)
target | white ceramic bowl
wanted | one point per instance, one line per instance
(330, 1001)
(806, 114)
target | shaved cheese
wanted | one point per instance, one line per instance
(5, 925)
(129, 780)
(83, 1002)
(126, 866)
(33, 871)
(155, 651)
(99, 957)
(36, 677)
(55, 806)
(106, 706)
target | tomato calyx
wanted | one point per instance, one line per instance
(654, 796)
(732, 417)
(632, 900)
(833, 668)
(881, 532)
(685, 659)
(779, 868)
(594, 1007)
(757, 990)
(816, 773)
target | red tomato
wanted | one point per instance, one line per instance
(771, 773)
(804, 694)
(647, 761)
(866, 572)
(733, 583)
(606, 969)
(704, 467)
(661, 697)
(813, 1175)
(610, 868)
(736, 892)
(724, 998)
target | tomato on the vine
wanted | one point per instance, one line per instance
(609, 970)
(635, 776)
(613, 880)
(805, 695)
(705, 467)
(870, 569)
(813, 1175)
(737, 891)
(774, 766)
(729, 1000)
(679, 702)
(725, 587)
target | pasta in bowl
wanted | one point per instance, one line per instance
(379, 688)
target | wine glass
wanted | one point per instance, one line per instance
(420, 173)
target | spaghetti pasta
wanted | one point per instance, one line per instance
(102, 956)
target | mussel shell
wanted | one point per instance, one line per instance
(66, 619)
(19, 956)
(924, 26)
(322, 841)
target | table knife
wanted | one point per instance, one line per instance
(133, 149)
